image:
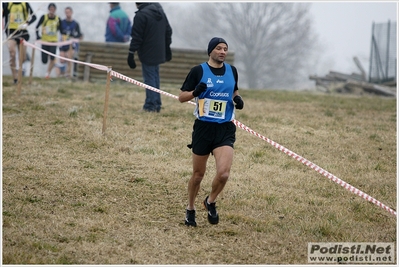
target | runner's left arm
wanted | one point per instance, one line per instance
(30, 12)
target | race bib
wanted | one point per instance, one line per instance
(17, 17)
(50, 29)
(212, 108)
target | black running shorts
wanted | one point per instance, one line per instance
(17, 36)
(207, 136)
(50, 48)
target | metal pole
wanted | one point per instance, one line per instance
(388, 39)
(371, 51)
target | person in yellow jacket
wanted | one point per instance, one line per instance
(50, 25)
(17, 16)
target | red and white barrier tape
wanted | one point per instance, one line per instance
(96, 66)
(128, 79)
(249, 130)
(70, 41)
(318, 169)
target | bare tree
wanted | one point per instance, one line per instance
(272, 41)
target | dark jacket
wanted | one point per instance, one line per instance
(151, 34)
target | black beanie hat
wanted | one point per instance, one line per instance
(214, 42)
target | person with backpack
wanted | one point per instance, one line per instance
(69, 29)
(50, 27)
(16, 20)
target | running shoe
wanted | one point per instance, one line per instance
(190, 218)
(213, 216)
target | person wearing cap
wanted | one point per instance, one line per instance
(151, 38)
(50, 29)
(118, 25)
(16, 20)
(213, 85)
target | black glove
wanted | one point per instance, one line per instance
(130, 60)
(239, 103)
(200, 88)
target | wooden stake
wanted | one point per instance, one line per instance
(32, 61)
(86, 72)
(21, 58)
(106, 99)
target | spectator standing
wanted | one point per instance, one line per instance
(16, 20)
(50, 27)
(69, 29)
(118, 25)
(151, 38)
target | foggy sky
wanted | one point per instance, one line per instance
(344, 31)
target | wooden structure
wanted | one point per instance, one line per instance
(352, 83)
(115, 56)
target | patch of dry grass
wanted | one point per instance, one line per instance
(74, 196)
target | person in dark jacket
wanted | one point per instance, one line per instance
(151, 38)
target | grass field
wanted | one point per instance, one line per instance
(72, 195)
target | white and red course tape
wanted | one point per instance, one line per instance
(244, 127)
(318, 169)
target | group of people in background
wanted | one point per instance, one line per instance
(17, 16)
(213, 84)
(52, 29)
